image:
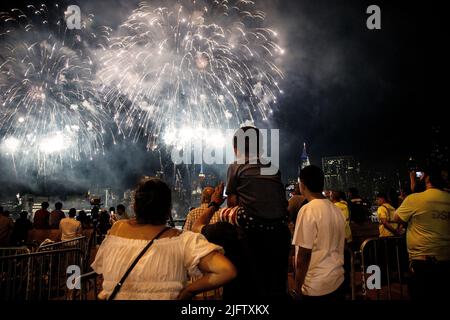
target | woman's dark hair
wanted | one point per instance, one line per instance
(152, 201)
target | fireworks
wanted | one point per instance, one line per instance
(190, 64)
(167, 74)
(49, 111)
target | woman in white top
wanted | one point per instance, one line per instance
(162, 272)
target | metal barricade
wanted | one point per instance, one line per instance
(11, 251)
(391, 256)
(76, 243)
(349, 269)
(37, 276)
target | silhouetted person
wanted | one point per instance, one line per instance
(56, 216)
(428, 237)
(103, 223)
(84, 220)
(120, 214)
(22, 226)
(296, 201)
(41, 217)
(266, 236)
(6, 226)
(358, 208)
(95, 216)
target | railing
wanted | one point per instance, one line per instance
(37, 276)
(11, 251)
(349, 268)
(390, 255)
(77, 243)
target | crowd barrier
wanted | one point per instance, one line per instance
(390, 255)
(11, 251)
(37, 276)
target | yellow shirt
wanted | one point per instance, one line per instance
(346, 213)
(386, 211)
(428, 217)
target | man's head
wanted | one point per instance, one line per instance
(45, 205)
(335, 195)
(381, 198)
(120, 209)
(206, 194)
(247, 141)
(433, 175)
(311, 180)
(58, 206)
(353, 193)
(72, 212)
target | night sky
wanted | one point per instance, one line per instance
(348, 90)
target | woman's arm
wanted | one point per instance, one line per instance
(217, 270)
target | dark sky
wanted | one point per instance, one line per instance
(373, 94)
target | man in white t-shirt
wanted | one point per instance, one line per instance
(319, 239)
(70, 228)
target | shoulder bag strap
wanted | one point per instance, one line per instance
(122, 280)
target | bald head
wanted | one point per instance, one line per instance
(206, 194)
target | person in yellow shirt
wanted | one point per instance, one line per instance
(337, 198)
(427, 215)
(386, 213)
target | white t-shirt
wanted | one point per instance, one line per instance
(320, 227)
(70, 228)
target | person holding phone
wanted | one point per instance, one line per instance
(426, 215)
(121, 214)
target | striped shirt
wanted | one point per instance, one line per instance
(194, 214)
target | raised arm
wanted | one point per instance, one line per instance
(216, 200)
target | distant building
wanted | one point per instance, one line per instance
(439, 146)
(341, 172)
(304, 159)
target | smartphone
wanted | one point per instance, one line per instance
(419, 174)
(290, 187)
(224, 191)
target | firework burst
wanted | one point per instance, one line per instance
(49, 111)
(194, 64)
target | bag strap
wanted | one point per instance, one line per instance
(388, 214)
(130, 268)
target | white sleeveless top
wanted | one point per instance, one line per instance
(160, 274)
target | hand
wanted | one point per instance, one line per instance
(217, 196)
(185, 294)
(295, 295)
